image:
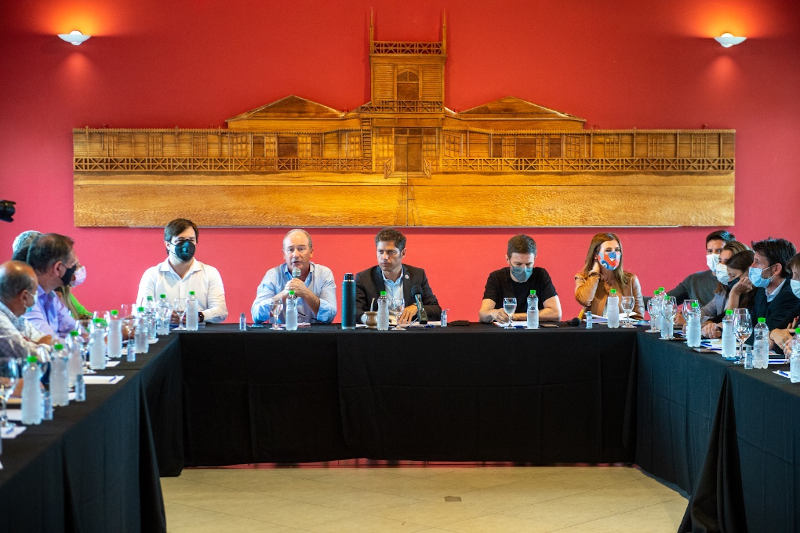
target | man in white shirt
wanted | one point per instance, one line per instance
(181, 272)
(312, 283)
(18, 288)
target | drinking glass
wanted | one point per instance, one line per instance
(509, 306)
(686, 312)
(9, 373)
(396, 306)
(654, 309)
(275, 309)
(669, 308)
(84, 328)
(179, 305)
(743, 327)
(627, 307)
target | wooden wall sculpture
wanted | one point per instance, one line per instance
(404, 159)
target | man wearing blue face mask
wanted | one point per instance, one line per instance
(517, 280)
(769, 275)
(180, 273)
(18, 288)
(781, 336)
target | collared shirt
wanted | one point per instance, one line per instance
(203, 279)
(771, 295)
(394, 289)
(319, 280)
(50, 316)
(17, 335)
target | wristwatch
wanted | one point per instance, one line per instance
(200, 316)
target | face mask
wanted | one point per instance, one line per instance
(36, 299)
(609, 260)
(721, 271)
(795, 284)
(755, 278)
(184, 250)
(80, 276)
(66, 279)
(521, 274)
(712, 260)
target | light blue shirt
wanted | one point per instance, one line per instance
(319, 280)
(394, 289)
(50, 316)
(771, 295)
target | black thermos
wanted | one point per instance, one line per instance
(349, 302)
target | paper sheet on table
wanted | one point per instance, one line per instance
(111, 364)
(102, 380)
(783, 373)
(515, 323)
(14, 431)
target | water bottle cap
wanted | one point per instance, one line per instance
(729, 312)
(383, 293)
(655, 292)
(762, 320)
(291, 293)
(140, 309)
(797, 331)
(114, 312)
(149, 298)
(695, 304)
(191, 293)
(662, 289)
(162, 296)
(533, 292)
(613, 292)
(349, 276)
(31, 359)
(98, 320)
(73, 333)
(58, 347)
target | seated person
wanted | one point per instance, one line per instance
(180, 273)
(773, 298)
(736, 267)
(517, 280)
(400, 281)
(780, 336)
(602, 272)
(700, 286)
(312, 283)
(52, 257)
(18, 288)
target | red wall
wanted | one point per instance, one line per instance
(194, 63)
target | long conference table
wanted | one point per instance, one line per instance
(728, 437)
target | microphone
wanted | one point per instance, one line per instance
(296, 272)
(573, 322)
(422, 316)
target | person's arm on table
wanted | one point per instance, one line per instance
(488, 313)
(217, 308)
(550, 312)
(268, 290)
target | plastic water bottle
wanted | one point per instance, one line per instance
(291, 312)
(349, 302)
(164, 315)
(191, 312)
(59, 376)
(588, 316)
(655, 312)
(75, 364)
(693, 326)
(761, 344)
(383, 312)
(728, 336)
(141, 333)
(114, 335)
(242, 322)
(97, 345)
(612, 309)
(32, 408)
(151, 312)
(533, 311)
(794, 357)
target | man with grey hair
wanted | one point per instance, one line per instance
(312, 283)
(18, 287)
(19, 249)
(52, 257)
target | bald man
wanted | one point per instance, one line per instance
(312, 283)
(18, 288)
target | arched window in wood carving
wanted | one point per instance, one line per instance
(407, 86)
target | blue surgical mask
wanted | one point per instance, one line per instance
(36, 299)
(721, 271)
(795, 284)
(521, 274)
(755, 278)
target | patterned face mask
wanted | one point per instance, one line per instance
(609, 260)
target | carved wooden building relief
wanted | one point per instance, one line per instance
(404, 159)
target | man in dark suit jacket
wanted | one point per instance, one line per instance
(392, 276)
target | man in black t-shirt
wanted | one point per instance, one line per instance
(517, 280)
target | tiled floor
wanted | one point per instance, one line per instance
(492, 499)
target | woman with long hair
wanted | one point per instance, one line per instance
(602, 271)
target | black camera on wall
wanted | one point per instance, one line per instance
(7, 210)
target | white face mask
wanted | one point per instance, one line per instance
(80, 276)
(795, 284)
(721, 271)
(712, 260)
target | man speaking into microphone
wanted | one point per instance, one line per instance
(312, 283)
(401, 282)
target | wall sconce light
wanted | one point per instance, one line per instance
(726, 40)
(74, 37)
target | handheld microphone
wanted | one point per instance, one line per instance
(296, 272)
(422, 316)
